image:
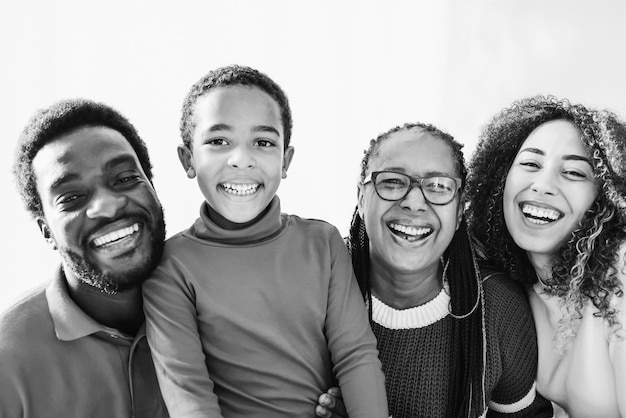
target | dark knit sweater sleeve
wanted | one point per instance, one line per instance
(512, 351)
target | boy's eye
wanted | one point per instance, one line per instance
(264, 143)
(216, 141)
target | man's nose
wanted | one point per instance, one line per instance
(106, 203)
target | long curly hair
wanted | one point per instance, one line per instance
(583, 267)
(466, 393)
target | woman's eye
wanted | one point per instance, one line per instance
(575, 174)
(530, 164)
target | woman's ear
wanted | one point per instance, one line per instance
(186, 160)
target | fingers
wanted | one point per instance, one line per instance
(332, 403)
(322, 412)
(334, 392)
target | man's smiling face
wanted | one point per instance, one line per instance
(100, 210)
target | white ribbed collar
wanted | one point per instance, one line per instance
(418, 317)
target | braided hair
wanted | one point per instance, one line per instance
(466, 390)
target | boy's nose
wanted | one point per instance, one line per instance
(241, 157)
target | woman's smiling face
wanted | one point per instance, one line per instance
(549, 188)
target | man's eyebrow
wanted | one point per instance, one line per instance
(120, 159)
(63, 179)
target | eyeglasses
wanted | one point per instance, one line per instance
(392, 186)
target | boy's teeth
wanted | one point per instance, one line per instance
(240, 189)
(410, 230)
(116, 235)
(544, 215)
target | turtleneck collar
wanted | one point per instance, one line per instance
(266, 226)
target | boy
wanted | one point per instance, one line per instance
(253, 313)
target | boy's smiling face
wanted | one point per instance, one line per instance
(238, 152)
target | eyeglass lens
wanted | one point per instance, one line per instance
(395, 186)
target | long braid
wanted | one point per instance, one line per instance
(467, 306)
(466, 385)
(358, 246)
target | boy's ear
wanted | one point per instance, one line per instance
(186, 159)
(46, 233)
(288, 155)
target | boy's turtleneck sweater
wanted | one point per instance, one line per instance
(259, 321)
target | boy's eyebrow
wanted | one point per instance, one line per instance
(264, 128)
(219, 127)
(259, 128)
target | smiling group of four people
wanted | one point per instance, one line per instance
(512, 307)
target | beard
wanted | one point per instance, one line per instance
(88, 271)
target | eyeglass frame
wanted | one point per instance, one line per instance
(413, 181)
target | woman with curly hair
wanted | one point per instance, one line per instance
(455, 340)
(548, 204)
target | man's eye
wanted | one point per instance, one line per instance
(127, 179)
(69, 200)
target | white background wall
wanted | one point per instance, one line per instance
(352, 69)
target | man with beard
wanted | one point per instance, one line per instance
(76, 347)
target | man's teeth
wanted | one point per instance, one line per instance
(116, 235)
(539, 215)
(240, 189)
(412, 231)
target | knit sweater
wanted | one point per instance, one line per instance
(259, 321)
(416, 349)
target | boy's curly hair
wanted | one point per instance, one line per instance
(584, 266)
(62, 118)
(233, 75)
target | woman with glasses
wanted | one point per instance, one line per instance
(548, 202)
(454, 340)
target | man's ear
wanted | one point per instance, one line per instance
(186, 160)
(46, 233)
(360, 195)
(287, 157)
